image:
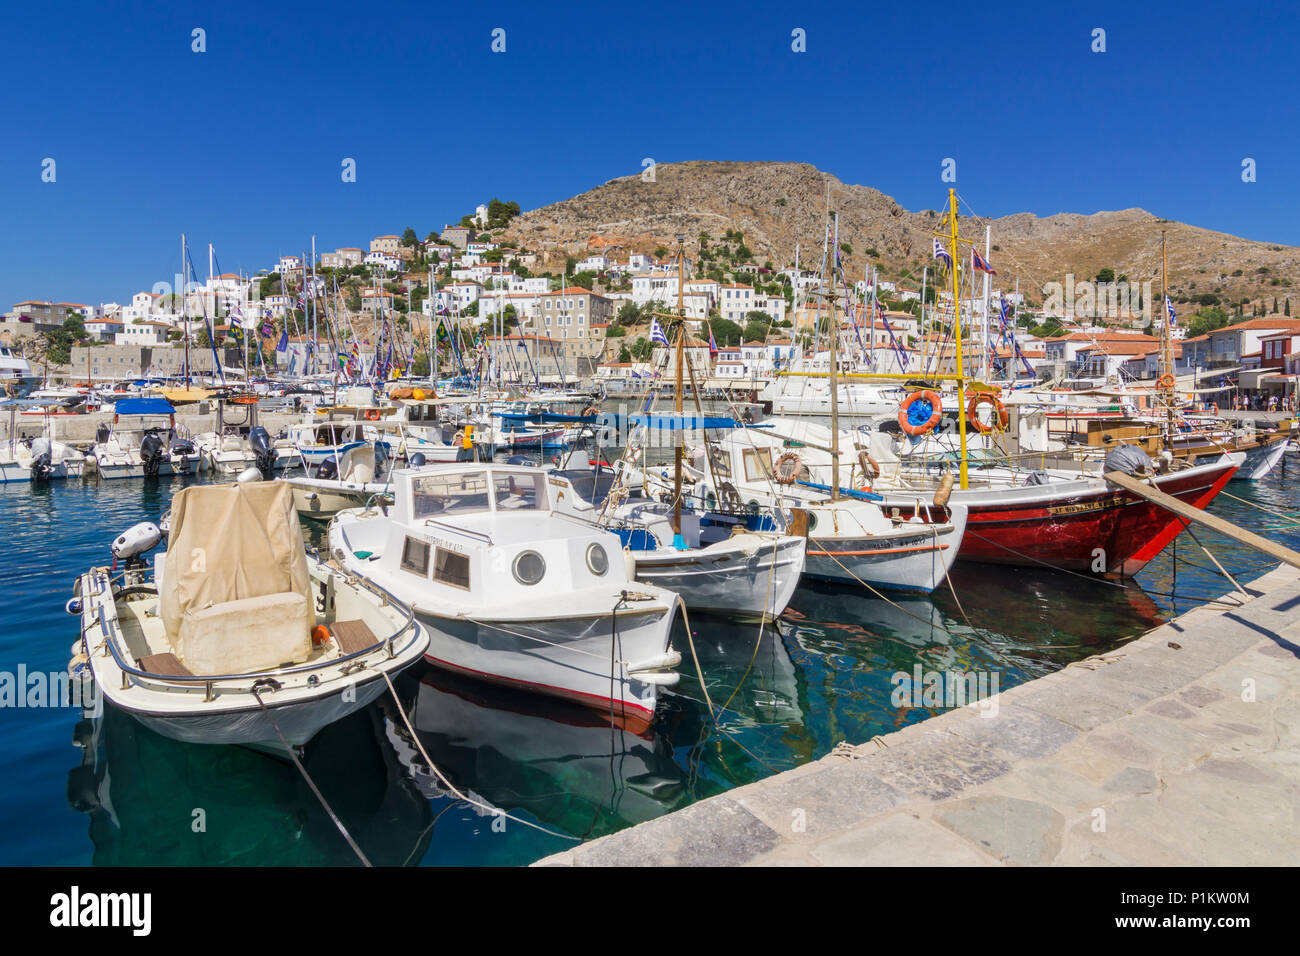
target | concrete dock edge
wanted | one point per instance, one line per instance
(1180, 748)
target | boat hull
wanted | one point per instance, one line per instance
(727, 580)
(1092, 527)
(569, 658)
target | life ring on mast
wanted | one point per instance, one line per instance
(870, 467)
(787, 468)
(1165, 381)
(372, 414)
(1214, 409)
(920, 412)
(1000, 417)
(591, 411)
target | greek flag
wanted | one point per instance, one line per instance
(657, 333)
(941, 253)
(1173, 317)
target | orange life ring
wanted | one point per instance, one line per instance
(870, 467)
(1000, 411)
(591, 411)
(1165, 381)
(927, 426)
(787, 468)
(372, 414)
(1214, 409)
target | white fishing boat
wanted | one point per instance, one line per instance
(720, 563)
(144, 441)
(31, 453)
(236, 635)
(16, 376)
(513, 592)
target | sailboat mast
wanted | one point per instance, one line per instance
(1166, 346)
(956, 331)
(834, 331)
(185, 316)
(679, 433)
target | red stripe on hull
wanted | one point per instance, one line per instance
(631, 717)
(1066, 533)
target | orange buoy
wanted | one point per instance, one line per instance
(920, 412)
(1000, 416)
(320, 635)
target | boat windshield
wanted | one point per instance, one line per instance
(520, 492)
(459, 493)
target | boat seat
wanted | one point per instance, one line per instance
(249, 634)
(166, 665)
(353, 636)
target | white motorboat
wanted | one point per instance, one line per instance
(513, 592)
(236, 635)
(351, 479)
(31, 453)
(144, 441)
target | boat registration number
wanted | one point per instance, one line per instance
(1099, 505)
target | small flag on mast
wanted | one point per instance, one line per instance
(941, 253)
(1173, 317)
(713, 345)
(657, 333)
(979, 263)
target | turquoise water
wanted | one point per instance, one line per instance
(822, 675)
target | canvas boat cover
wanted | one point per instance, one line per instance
(228, 543)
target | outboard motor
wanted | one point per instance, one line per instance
(327, 470)
(263, 450)
(416, 460)
(42, 459)
(1129, 459)
(133, 544)
(151, 453)
(102, 433)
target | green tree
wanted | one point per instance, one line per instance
(624, 354)
(757, 327)
(725, 332)
(409, 238)
(1106, 275)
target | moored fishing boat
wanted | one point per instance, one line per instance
(513, 593)
(254, 642)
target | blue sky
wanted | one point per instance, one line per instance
(242, 145)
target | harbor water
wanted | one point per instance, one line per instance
(107, 791)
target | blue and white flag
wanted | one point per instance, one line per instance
(1173, 317)
(941, 253)
(283, 345)
(657, 333)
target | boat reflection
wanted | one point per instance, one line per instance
(560, 764)
(154, 801)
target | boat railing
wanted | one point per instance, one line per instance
(113, 636)
(467, 532)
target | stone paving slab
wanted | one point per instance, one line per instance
(1180, 748)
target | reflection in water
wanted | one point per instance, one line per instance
(563, 765)
(142, 791)
(820, 675)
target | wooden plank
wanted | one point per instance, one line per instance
(165, 665)
(353, 636)
(1215, 523)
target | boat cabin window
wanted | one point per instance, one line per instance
(458, 493)
(758, 464)
(520, 492)
(415, 556)
(451, 567)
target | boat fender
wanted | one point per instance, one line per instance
(320, 635)
(870, 467)
(73, 607)
(944, 491)
(251, 473)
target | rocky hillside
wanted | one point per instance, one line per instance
(776, 205)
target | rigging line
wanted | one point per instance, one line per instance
(306, 776)
(495, 811)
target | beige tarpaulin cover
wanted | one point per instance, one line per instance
(230, 542)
